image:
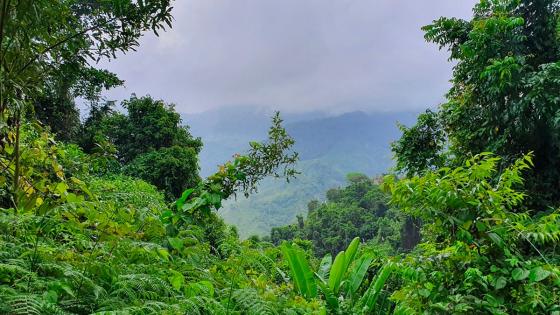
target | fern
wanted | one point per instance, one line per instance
(544, 230)
(249, 302)
(141, 286)
(201, 305)
(24, 304)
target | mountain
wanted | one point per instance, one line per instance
(228, 131)
(329, 148)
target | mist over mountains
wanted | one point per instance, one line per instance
(329, 148)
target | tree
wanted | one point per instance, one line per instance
(340, 280)
(92, 134)
(358, 210)
(420, 146)
(150, 142)
(149, 125)
(197, 205)
(504, 98)
(172, 169)
(480, 254)
(58, 111)
(55, 106)
(38, 38)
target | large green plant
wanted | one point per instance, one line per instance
(148, 125)
(339, 281)
(43, 42)
(504, 98)
(149, 141)
(39, 38)
(172, 169)
(479, 253)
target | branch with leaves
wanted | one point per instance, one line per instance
(273, 157)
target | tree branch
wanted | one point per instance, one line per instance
(53, 46)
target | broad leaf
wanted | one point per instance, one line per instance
(337, 271)
(351, 252)
(177, 280)
(358, 272)
(332, 301)
(538, 274)
(325, 266)
(519, 274)
(301, 272)
(175, 242)
(500, 283)
(369, 299)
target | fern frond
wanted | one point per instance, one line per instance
(201, 305)
(249, 302)
(141, 286)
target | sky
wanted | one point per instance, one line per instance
(293, 55)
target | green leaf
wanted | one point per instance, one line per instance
(176, 242)
(51, 296)
(215, 200)
(351, 252)
(71, 197)
(500, 283)
(304, 279)
(177, 280)
(325, 266)
(369, 299)
(61, 188)
(519, 274)
(337, 271)
(538, 274)
(496, 239)
(332, 301)
(163, 253)
(181, 201)
(9, 149)
(424, 292)
(358, 272)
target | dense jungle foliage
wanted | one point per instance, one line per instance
(110, 215)
(360, 210)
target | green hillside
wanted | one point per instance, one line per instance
(329, 148)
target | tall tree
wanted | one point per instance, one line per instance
(39, 37)
(359, 209)
(55, 105)
(148, 125)
(150, 142)
(505, 96)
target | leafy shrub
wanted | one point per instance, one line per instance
(480, 253)
(172, 169)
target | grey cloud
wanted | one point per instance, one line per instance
(294, 55)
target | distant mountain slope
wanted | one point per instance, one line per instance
(329, 148)
(228, 131)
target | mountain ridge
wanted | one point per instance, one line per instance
(329, 148)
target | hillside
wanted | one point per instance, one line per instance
(329, 148)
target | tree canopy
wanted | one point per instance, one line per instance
(504, 94)
(40, 39)
(149, 141)
(360, 209)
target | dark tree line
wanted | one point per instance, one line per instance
(358, 210)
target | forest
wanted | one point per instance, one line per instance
(108, 214)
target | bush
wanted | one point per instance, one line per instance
(171, 169)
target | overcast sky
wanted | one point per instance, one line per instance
(294, 55)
